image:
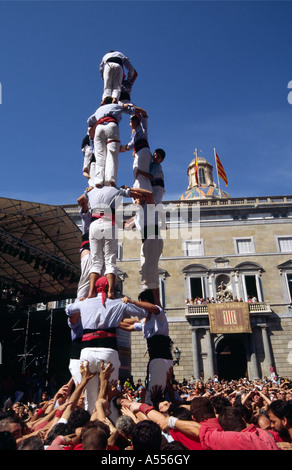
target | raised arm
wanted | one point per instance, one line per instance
(86, 375)
(145, 305)
(136, 193)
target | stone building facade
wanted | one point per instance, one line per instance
(216, 245)
(214, 239)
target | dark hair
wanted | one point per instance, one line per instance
(94, 439)
(108, 100)
(78, 418)
(146, 435)
(182, 413)
(146, 296)
(161, 153)
(60, 429)
(201, 409)
(230, 419)
(245, 412)
(282, 409)
(219, 403)
(97, 424)
(174, 445)
(32, 443)
(135, 118)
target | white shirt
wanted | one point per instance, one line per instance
(93, 315)
(106, 197)
(113, 110)
(156, 325)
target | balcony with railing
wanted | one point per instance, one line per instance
(192, 310)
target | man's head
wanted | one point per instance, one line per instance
(230, 419)
(125, 425)
(146, 435)
(201, 409)
(32, 443)
(94, 439)
(107, 100)
(134, 121)
(95, 424)
(146, 296)
(263, 421)
(280, 414)
(218, 402)
(158, 156)
(11, 424)
(78, 418)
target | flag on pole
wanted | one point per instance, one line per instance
(196, 168)
(220, 170)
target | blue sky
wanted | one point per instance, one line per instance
(211, 74)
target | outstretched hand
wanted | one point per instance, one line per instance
(86, 375)
(105, 372)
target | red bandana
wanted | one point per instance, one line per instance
(102, 286)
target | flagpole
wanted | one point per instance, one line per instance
(197, 168)
(217, 172)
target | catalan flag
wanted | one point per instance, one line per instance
(220, 170)
(196, 168)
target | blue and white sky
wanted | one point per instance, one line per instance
(211, 74)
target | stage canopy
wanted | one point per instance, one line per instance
(39, 251)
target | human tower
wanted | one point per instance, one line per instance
(101, 148)
(96, 314)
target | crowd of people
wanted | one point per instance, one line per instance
(213, 300)
(189, 415)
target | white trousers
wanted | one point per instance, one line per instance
(106, 151)
(95, 356)
(112, 77)
(83, 285)
(103, 247)
(142, 160)
(158, 370)
(158, 193)
(150, 253)
(74, 368)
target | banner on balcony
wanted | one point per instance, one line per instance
(229, 317)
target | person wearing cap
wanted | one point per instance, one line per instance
(140, 147)
(112, 72)
(98, 318)
(105, 134)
